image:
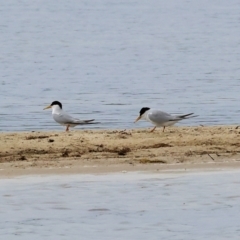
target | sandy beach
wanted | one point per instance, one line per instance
(87, 151)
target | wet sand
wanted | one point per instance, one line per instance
(97, 151)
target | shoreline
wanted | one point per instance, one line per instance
(118, 169)
(106, 151)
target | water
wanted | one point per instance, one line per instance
(107, 59)
(121, 206)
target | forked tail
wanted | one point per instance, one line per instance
(90, 121)
(186, 116)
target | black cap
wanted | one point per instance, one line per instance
(143, 110)
(56, 103)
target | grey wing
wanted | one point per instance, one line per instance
(63, 118)
(160, 117)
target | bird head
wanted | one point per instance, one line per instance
(54, 103)
(141, 113)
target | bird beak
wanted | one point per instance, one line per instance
(137, 119)
(47, 107)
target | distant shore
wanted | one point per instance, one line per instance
(101, 151)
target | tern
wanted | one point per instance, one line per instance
(160, 118)
(63, 118)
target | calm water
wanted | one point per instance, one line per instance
(107, 59)
(122, 206)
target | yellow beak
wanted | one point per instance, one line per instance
(47, 107)
(137, 119)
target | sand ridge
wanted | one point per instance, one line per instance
(104, 148)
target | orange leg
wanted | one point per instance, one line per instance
(153, 129)
(163, 128)
(67, 128)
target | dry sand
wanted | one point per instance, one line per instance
(86, 151)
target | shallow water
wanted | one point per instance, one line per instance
(122, 206)
(107, 59)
